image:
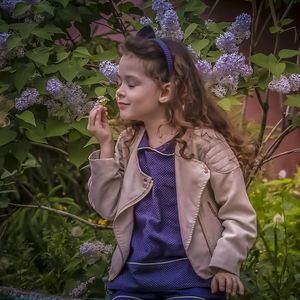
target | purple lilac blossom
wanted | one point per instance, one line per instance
(9, 5)
(227, 43)
(294, 81)
(241, 27)
(204, 67)
(232, 64)
(145, 21)
(95, 250)
(54, 86)
(280, 85)
(28, 97)
(82, 288)
(3, 39)
(109, 70)
(161, 5)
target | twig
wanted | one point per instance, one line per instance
(62, 213)
(50, 147)
(212, 8)
(281, 154)
(262, 30)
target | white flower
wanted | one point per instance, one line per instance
(282, 174)
(278, 219)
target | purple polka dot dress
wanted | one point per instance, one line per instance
(157, 260)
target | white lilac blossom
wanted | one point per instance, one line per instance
(219, 90)
(294, 80)
(227, 43)
(94, 251)
(109, 70)
(82, 288)
(282, 174)
(39, 18)
(28, 97)
(280, 85)
(145, 21)
(241, 27)
(3, 39)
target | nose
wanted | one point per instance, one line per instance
(120, 93)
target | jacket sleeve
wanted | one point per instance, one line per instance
(106, 181)
(236, 213)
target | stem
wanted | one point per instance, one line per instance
(212, 8)
(50, 147)
(118, 18)
(262, 30)
(281, 154)
(287, 10)
(62, 213)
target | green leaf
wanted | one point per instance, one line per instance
(287, 53)
(24, 29)
(213, 27)
(91, 141)
(189, 30)
(62, 56)
(5, 201)
(100, 91)
(64, 3)
(20, 150)
(43, 7)
(81, 126)
(20, 9)
(296, 121)
(277, 69)
(69, 70)
(77, 153)
(22, 74)
(27, 116)
(198, 45)
(13, 41)
(286, 21)
(275, 29)
(291, 67)
(227, 102)
(39, 55)
(36, 136)
(92, 80)
(56, 127)
(106, 55)
(6, 136)
(81, 52)
(3, 87)
(293, 100)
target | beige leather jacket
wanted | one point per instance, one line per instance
(217, 221)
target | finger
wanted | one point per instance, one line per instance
(228, 283)
(234, 286)
(214, 285)
(221, 284)
(91, 119)
(240, 287)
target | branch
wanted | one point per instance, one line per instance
(281, 154)
(50, 147)
(62, 213)
(212, 8)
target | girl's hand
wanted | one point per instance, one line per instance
(227, 282)
(98, 125)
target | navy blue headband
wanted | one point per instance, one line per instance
(148, 33)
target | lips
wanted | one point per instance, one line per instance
(122, 104)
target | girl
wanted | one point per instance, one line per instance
(172, 184)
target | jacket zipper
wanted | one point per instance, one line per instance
(210, 251)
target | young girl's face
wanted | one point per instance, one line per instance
(138, 96)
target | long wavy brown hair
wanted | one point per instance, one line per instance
(190, 105)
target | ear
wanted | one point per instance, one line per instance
(166, 92)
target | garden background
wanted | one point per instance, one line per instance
(58, 57)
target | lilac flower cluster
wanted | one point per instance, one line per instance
(284, 84)
(9, 5)
(109, 70)
(167, 18)
(145, 21)
(223, 77)
(82, 288)
(95, 251)
(235, 34)
(28, 97)
(68, 99)
(3, 39)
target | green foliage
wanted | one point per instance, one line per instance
(273, 266)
